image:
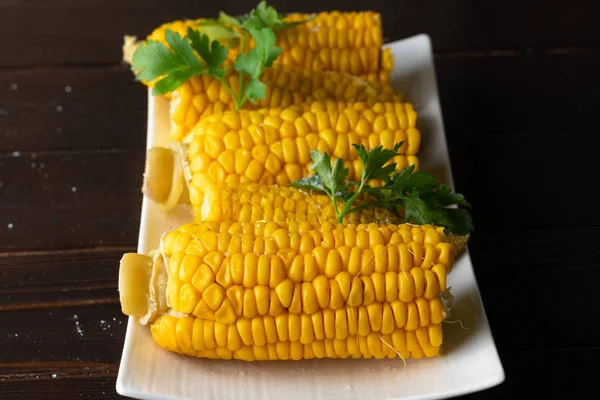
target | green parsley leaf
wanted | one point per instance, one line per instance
(460, 221)
(264, 16)
(375, 160)
(182, 51)
(174, 65)
(408, 181)
(227, 19)
(331, 176)
(249, 63)
(215, 30)
(414, 195)
(446, 197)
(174, 79)
(312, 183)
(213, 53)
(255, 90)
(265, 45)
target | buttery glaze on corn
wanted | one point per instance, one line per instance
(255, 291)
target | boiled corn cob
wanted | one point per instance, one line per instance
(251, 203)
(271, 146)
(332, 41)
(269, 291)
(203, 96)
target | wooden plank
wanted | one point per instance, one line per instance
(59, 279)
(71, 108)
(78, 199)
(91, 32)
(521, 382)
(89, 387)
(92, 333)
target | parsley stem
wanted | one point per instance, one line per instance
(241, 80)
(365, 205)
(346, 208)
(335, 206)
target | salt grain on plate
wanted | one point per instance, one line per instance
(54, 375)
(68, 89)
(73, 189)
(10, 225)
(59, 108)
(14, 86)
(16, 153)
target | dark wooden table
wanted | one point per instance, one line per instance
(520, 90)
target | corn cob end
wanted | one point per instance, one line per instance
(459, 243)
(134, 283)
(142, 285)
(164, 181)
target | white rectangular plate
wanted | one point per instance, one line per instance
(470, 361)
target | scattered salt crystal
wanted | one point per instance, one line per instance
(78, 329)
(14, 86)
(54, 375)
(32, 165)
(42, 165)
(16, 335)
(102, 321)
(59, 108)
(10, 225)
(73, 189)
(16, 153)
(4, 113)
(68, 89)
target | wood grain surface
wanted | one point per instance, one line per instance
(520, 94)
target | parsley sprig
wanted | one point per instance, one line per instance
(415, 196)
(205, 48)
